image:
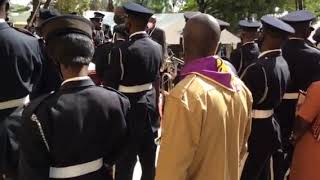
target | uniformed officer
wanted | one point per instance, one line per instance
(78, 130)
(102, 52)
(134, 68)
(303, 61)
(249, 51)
(20, 69)
(98, 34)
(99, 15)
(267, 79)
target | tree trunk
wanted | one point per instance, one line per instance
(35, 4)
(110, 7)
(299, 5)
(34, 8)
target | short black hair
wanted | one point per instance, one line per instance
(275, 33)
(71, 49)
(139, 21)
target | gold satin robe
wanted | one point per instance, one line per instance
(205, 130)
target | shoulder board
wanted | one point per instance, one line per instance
(24, 31)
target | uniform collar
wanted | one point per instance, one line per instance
(75, 79)
(268, 52)
(77, 83)
(137, 33)
(295, 38)
(250, 42)
(142, 33)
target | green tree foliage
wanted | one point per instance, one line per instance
(234, 10)
(313, 5)
(96, 5)
(68, 6)
(159, 6)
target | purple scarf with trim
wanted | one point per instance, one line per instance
(211, 68)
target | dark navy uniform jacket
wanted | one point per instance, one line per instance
(304, 65)
(81, 123)
(20, 68)
(101, 56)
(267, 79)
(137, 62)
(243, 56)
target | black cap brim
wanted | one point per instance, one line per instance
(299, 17)
(99, 15)
(137, 10)
(276, 24)
(65, 25)
(245, 24)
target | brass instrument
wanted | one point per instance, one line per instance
(170, 70)
(34, 15)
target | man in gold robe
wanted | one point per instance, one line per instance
(207, 116)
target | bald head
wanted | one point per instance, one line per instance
(201, 37)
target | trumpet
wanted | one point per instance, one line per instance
(170, 70)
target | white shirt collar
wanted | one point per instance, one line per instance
(269, 51)
(75, 79)
(136, 33)
(2, 20)
(295, 38)
(250, 42)
(120, 39)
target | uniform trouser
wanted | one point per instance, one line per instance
(257, 166)
(286, 117)
(142, 143)
(10, 121)
(145, 149)
(264, 142)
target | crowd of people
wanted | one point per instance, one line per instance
(254, 116)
